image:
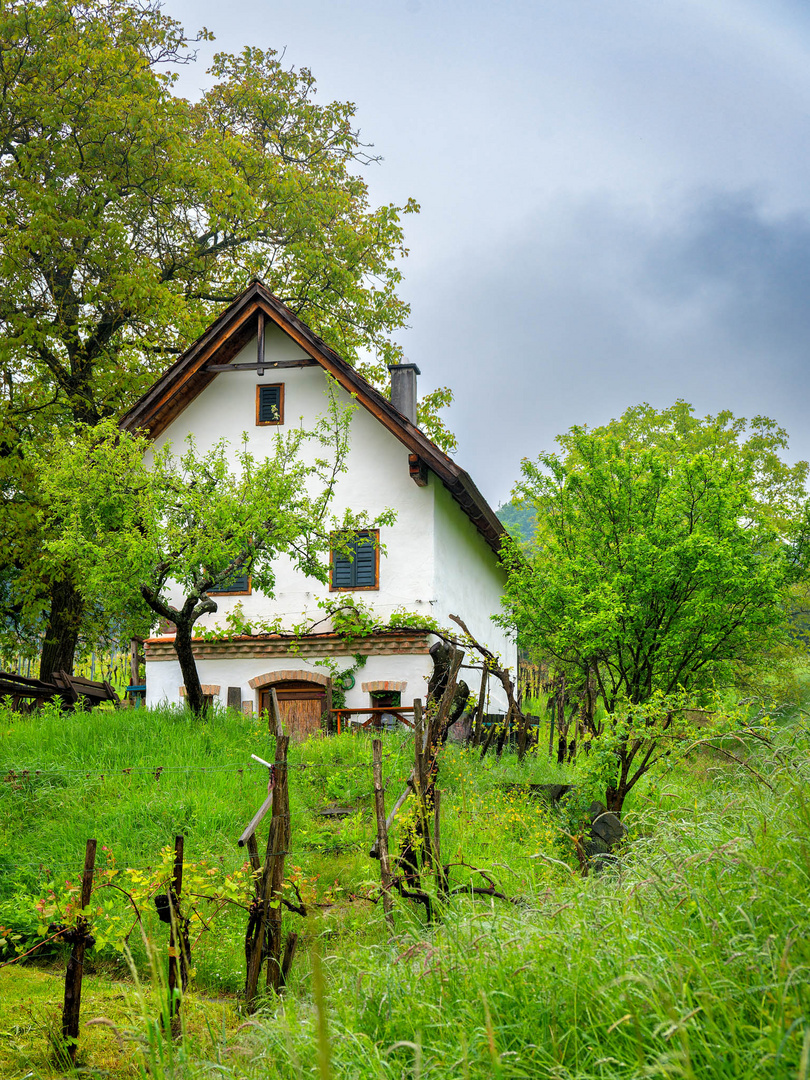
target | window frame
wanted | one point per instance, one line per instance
(375, 533)
(269, 423)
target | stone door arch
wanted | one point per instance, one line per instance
(301, 698)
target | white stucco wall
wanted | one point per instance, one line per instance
(377, 478)
(164, 678)
(435, 562)
(468, 582)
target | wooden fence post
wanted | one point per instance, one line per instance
(272, 876)
(178, 941)
(283, 832)
(289, 953)
(441, 883)
(382, 836)
(75, 968)
(479, 712)
(421, 756)
(276, 711)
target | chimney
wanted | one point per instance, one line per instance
(403, 389)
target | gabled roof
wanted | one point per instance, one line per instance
(228, 335)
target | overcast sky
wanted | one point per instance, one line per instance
(615, 198)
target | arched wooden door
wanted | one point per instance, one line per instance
(302, 705)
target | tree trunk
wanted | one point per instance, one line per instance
(64, 623)
(614, 798)
(188, 665)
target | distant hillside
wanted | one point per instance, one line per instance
(519, 520)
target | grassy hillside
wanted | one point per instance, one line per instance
(686, 959)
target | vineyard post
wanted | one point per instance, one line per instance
(73, 976)
(276, 845)
(283, 832)
(441, 883)
(178, 940)
(479, 712)
(422, 747)
(382, 836)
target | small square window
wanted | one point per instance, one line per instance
(356, 562)
(270, 404)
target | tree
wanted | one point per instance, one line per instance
(134, 532)
(665, 552)
(129, 216)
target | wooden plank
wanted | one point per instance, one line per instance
(268, 365)
(251, 827)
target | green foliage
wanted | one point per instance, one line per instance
(519, 520)
(133, 524)
(657, 562)
(130, 216)
(665, 556)
(682, 960)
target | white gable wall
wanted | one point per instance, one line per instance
(377, 478)
(435, 561)
(469, 583)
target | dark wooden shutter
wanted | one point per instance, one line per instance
(357, 569)
(269, 404)
(237, 583)
(365, 562)
(342, 571)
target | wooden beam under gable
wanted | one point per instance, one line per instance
(418, 470)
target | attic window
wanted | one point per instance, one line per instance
(270, 404)
(356, 561)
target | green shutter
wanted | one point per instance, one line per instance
(237, 583)
(365, 562)
(269, 404)
(357, 568)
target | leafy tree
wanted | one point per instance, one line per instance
(134, 534)
(665, 552)
(518, 518)
(129, 216)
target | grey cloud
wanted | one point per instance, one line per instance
(597, 307)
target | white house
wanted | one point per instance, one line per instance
(255, 369)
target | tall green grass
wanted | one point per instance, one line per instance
(687, 958)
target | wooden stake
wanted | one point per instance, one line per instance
(253, 852)
(272, 875)
(178, 941)
(479, 712)
(418, 742)
(250, 829)
(382, 836)
(441, 884)
(75, 969)
(289, 955)
(422, 745)
(277, 878)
